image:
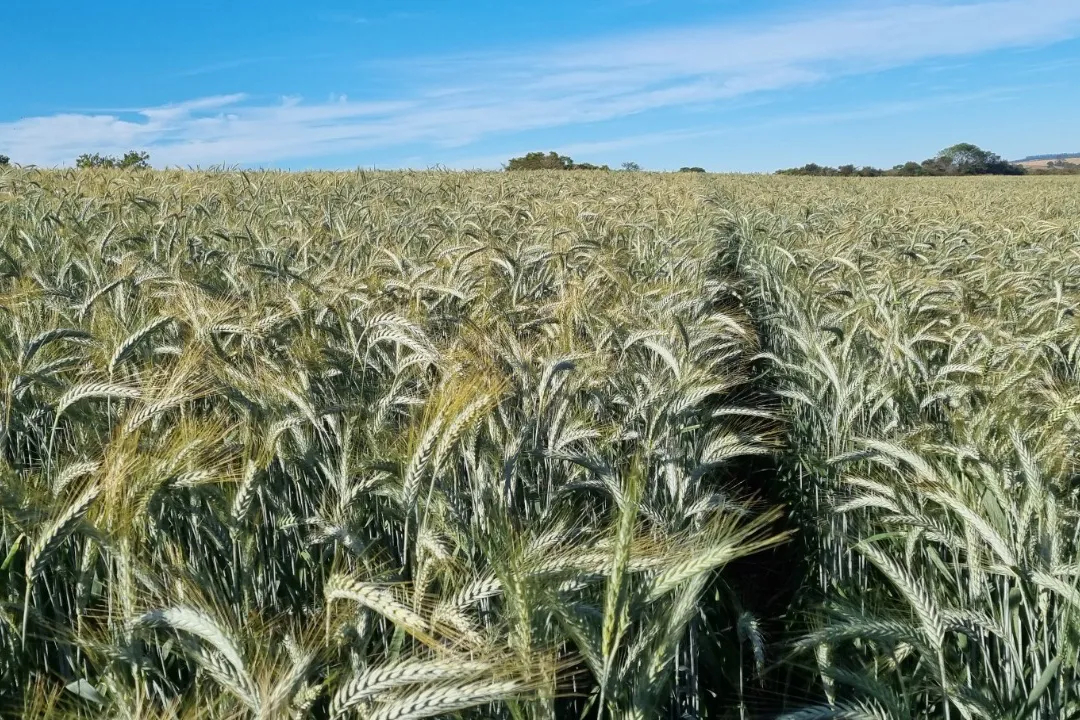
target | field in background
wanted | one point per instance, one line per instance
(535, 445)
(1044, 164)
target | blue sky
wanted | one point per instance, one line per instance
(724, 84)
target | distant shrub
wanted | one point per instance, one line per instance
(5, 160)
(549, 161)
(812, 169)
(692, 169)
(541, 161)
(910, 169)
(132, 160)
(1057, 168)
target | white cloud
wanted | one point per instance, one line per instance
(887, 35)
(164, 113)
(575, 83)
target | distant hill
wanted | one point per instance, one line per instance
(1056, 156)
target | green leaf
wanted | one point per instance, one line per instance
(11, 553)
(1043, 683)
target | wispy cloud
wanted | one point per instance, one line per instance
(345, 18)
(224, 65)
(353, 19)
(641, 140)
(454, 101)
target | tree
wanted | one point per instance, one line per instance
(968, 159)
(631, 166)
(4, 160)
(541, 161)
(132, 160)
(92, 161)
(135, 160)
(965, 158)
(694, 169)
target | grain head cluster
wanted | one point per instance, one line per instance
(925, 338)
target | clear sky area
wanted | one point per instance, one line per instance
(722, 84)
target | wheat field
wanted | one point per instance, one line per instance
(538, 445)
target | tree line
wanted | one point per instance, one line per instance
(131, 160)
(554, 161)
(960, 159)
(1058, 167)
